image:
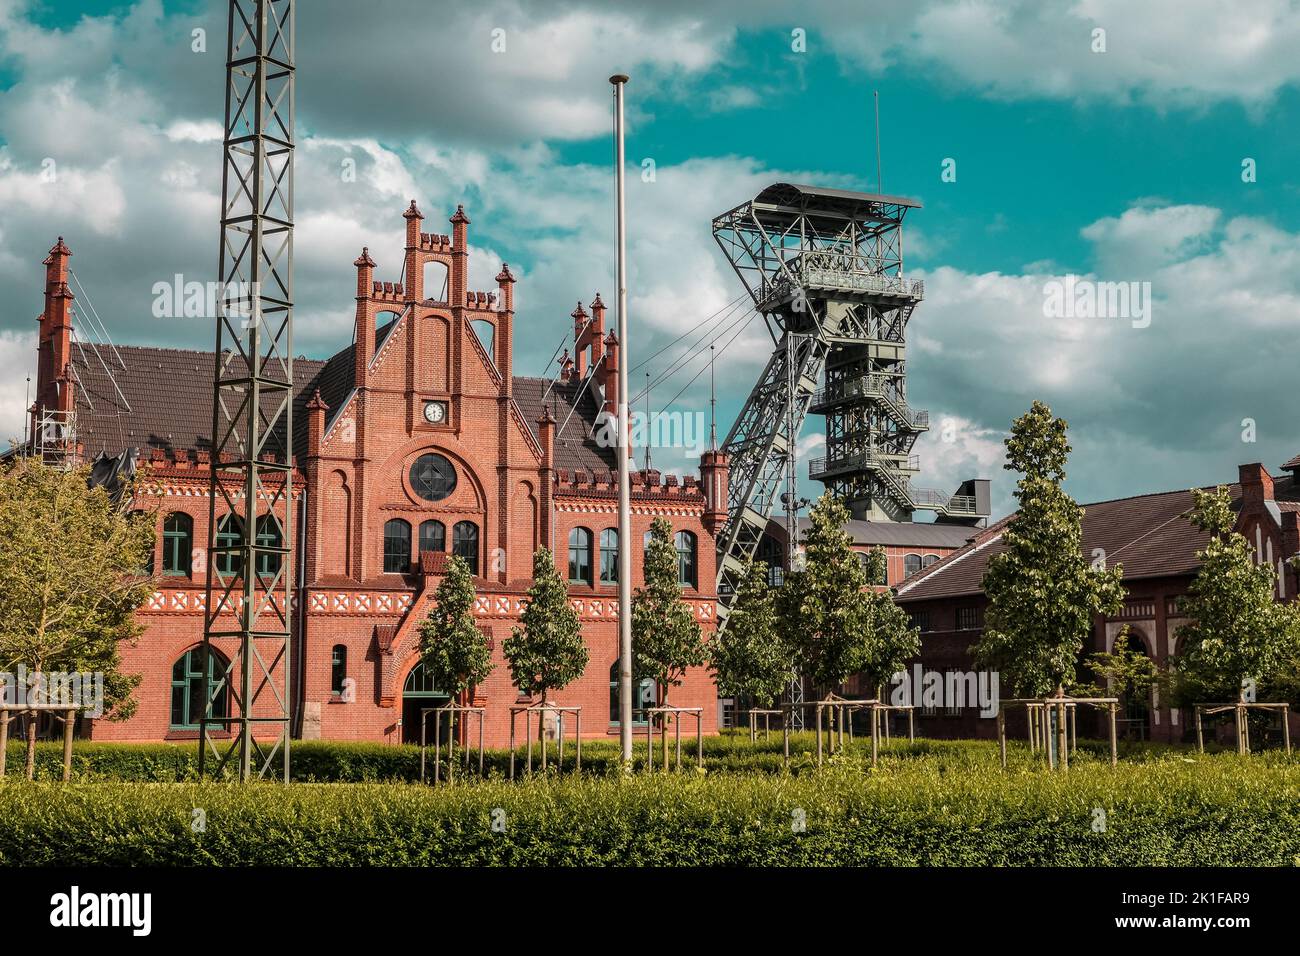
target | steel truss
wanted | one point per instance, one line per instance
(825, 268)
(249, 569)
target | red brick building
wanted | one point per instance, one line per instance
(414, 442)
(1150, 536)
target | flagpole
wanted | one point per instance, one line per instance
(623, 448)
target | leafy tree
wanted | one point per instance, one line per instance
(666, 638)
(1123, 670)
(547, 653)
(893, 639)
(1042, 594)
(73, 575)
(1238, 630)
(824, 608)
(749, 658)
(454, 650)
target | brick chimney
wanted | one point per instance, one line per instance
(579, 316)
(365, 333)
(597, 329)
(610, 361)
(1256, 486)
(53, 389)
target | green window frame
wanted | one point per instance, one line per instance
(189, 688)
(580, 556)
(177, 544)
(609, 556)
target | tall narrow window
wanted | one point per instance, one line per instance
(397, 546)
(189, 689)
(178, 542)
(230, 531)
(686, 571)
(433, 536)
(338, 669)
(911, 564)
(464, 542)
(268, 536)
(609, 556)
(579, 556)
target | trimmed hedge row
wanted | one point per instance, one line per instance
(355, 762)
(928, 810)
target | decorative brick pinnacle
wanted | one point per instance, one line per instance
(460, 215)
(364, 259)
(412, 212)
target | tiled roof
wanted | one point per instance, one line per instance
(1291, 465)
(574, 447)
(166, 402)
(903, 534)
(1148, 534)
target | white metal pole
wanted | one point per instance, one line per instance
(622, 449)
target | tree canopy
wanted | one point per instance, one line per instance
(666, 637)
(547, 652)
(455, 651)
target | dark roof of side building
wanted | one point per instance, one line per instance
(903, 534)
(144, 397)
(1148, 534)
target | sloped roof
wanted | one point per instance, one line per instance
(1148, 534)
(903, 534)
(166, 401)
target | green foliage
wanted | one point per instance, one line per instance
(823, 607)
(893, 640)
(455, 651)
(1122, 671)
(932, 804)
(1238, 629)
(666, 638)
(1042, 594)
(749, 658)
(72, 576)
(547, 653)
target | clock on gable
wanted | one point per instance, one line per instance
(435, 413)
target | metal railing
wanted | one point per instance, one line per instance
(872, 386)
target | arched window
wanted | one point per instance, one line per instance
(178, 543)
(397, 546)
(268, 536)
(643, 696)
(230, 531)
(911, 564)
(464, 542)
(929, 560)
(579, 556)
(686, 571)
(433, 536)
(189, 689)
(609, 556)
(338, 669)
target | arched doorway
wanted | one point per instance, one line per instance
(1135, 709)
(420, 691)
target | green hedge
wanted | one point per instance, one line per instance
(927, 809)
(350, 762)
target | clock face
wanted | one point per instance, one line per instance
(433, 477)
(435, 412)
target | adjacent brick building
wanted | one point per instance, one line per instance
(1152, 538)
(414, 442)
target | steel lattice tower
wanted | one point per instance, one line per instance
(825, 268)
(249, 568)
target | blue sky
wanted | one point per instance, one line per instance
(1123, 165)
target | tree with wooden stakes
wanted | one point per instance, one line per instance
(547, 652)
(1043, 595)
(824, 608)
(749, 659)
(666, 638)
(1239, 633)
(75, 570)
(454, 649)
(893, 640)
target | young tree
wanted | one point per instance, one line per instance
(666, 638)
(749, 658)
(454, 650)
(547, 653)
(893, 639)
(75, 571)
(824, 608)
(1123, 671)
(1042, 594)
(1238, 631)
